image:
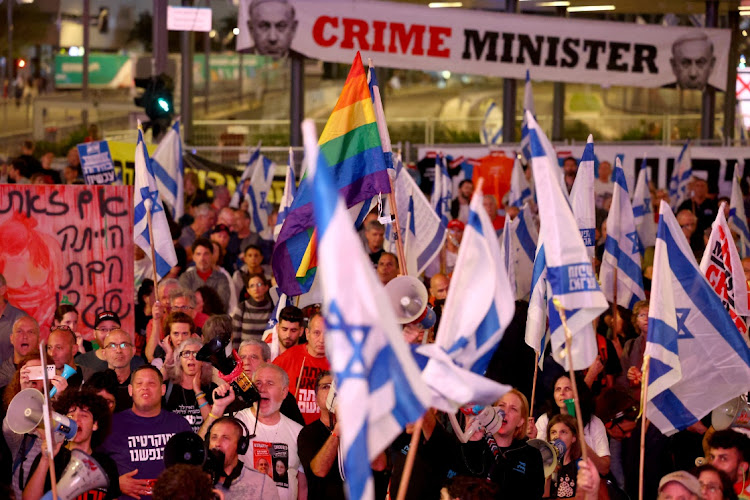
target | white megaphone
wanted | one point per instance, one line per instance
(331, 402)
(25, 414)
(551, 453)
(409, 299)
(487, 419)
(82, 474)
(734, 413)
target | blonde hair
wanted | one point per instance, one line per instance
(175, 372)
(520, 432)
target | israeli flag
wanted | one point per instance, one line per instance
(380, 388)
(244, 178)
(290, 191)
(621, 263)
(377, 104)
(680, 179)
(737, 219)
(537, 334)
(520, 191)
(442, 191)
(258, 190)
(582, 200)
(146, 197)
(569, 271)
(642, 212)
(528, 107)
(478, 308)
(492, 125)
(428, 233)
(169, 171)
(698, 358)
(518, 246)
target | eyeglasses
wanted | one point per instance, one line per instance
(189, 354)
(107, 330)
(712, 487)
(642, 315)
(182, 308)
(121, 345)
(324, 387)
(630, 413)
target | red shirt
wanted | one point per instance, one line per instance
(303, 369)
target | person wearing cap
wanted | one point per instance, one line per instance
(680, 485)
(204, 273)
(95, 361)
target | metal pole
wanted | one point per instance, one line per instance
(206, 71)
(239, 77)
(9, 62)
(159, 37)
(558, 99)
(509, 92)
(86, 45)
(730, 96)
(296, 99)
(708, 108)
(186, 81)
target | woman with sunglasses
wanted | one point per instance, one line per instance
(189, 387)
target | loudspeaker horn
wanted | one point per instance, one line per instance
(733, 413)
(408, 297)
(68, 371)
(25, 413)
(185, 448)
(82, 474)
(551, 453)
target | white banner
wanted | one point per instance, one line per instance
(409, 36)
(717, 162)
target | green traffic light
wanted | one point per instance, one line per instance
(163, 104)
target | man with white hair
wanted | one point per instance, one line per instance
(273, 450)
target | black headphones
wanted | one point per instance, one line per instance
(244, 442)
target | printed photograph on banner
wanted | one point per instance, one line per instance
(267, 27)
(466, 41)
(272, 459)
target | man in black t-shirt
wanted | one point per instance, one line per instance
(317, 446)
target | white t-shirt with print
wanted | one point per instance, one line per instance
(273, 451)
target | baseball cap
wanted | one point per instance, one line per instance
(689, 481)
(106, 316)
(456, 224)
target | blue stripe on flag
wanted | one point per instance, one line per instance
(672, 408)
(540, 264)
(256, 211)
(572, 278)
(387, 369)
(357, 464)
(474, 222)
(526, 193)
(524, 238)
(624, 262)
(161, 174)
(429, 252)
(485, 332)
(657, 368)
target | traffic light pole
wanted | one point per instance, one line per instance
(9, 60)
(186, 81)
(86, 44)
(159, 36)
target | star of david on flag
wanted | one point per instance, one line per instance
(379, 386)
(145, 190)
(699, 360)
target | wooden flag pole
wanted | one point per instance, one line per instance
(149, 205)
(574, 385)
(533, 384)
(410, 456)
(397, 228)
(47, 419)
(644, 421)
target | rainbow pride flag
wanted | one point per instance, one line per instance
(351, 149)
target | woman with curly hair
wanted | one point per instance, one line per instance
(189, 387)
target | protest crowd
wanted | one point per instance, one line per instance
(132, 392)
